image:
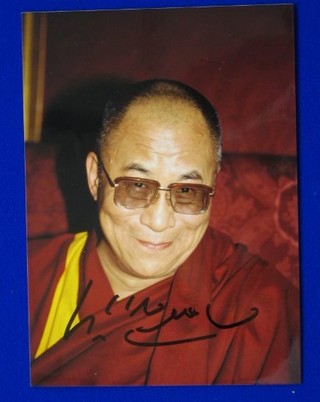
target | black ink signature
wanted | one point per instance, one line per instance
(144, 307)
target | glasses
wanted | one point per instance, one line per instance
(133, 192)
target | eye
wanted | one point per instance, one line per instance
(139, 185)
(184, 194)
(184, 190)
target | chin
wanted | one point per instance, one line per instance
(150, 273)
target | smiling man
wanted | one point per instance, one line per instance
(154, 296)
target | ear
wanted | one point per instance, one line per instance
(217, 171)
(93, 174)
(218, 168)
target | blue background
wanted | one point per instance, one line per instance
(14, 357)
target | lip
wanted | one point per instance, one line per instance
(155, 246)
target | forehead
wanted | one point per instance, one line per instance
(172, 131)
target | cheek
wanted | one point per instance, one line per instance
(193, 227)
(114, 219)
(195, 221)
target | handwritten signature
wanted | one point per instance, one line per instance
(145, 308)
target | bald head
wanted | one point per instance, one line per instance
(166, 99)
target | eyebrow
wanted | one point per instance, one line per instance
(136, 166)
(191, 175)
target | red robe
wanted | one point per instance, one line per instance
(225, 317)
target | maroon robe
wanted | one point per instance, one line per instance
(225, 317)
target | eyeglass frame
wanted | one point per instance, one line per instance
(115, 183)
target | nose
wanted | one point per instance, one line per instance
(159, 215)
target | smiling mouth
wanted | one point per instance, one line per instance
(155, 246)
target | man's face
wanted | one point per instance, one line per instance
(162, 140)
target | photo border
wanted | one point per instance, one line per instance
(14, 334)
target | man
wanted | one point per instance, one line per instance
(154, 296)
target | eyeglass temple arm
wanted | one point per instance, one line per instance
(110, 181)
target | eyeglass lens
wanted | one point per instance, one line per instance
(138, 193)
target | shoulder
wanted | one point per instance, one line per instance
(46, 250)
(41, 243)
(47, 256)
(223, 254)
(235, 267)
(46, 263)
(243, 283)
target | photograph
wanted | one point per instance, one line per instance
(162, 196)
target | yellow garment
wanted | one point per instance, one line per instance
(65, 297)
